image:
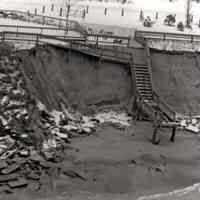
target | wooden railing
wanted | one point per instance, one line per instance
(108, 39)
(36, 38)
(160, 104)
(77, 43)
(95, 39)
(34, 29)
(101, 51)
(165, 108)
(139, 35)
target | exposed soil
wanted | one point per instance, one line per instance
(114, 163)
(176, 78)
(78, 80)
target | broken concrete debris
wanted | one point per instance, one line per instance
(18, 183)
(32, 139)
(189, 123)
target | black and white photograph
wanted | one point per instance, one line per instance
(99, 99)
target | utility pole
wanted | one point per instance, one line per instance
(188, 14)
(68, 6)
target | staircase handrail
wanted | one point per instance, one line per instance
(170, 112)
(160, 101)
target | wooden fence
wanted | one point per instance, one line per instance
(95, 39)
(81, 44)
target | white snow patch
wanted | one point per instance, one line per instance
(174, 194)
(113, 117)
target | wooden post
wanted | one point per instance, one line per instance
(129, 41)
(154, 137)
(43, 20)
(52, 7)
(84, 14)
(43, 9)
(28, 14)
(122, 13)
(3, 36)
(97, 41)
(61, 12)
(164, 37)
(105, 11)
(35, 11)
(157, 126)
(41, 31)
(192, 38)
(59, 23)
(17, 31)
(156, 15)
(172, 138)
(37, 39)
(87, 9)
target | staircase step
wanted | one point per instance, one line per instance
(140, 75)
(144, 85)
(143, 82)
(142, 90)
(145, 92)
(141, 70)
(143, 78)
(141, 66)
(148, 94)
(145, 89)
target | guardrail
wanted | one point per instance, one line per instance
(36, 38)
(80, 44)
(42, 19)
(108, 39)
(61, 26)
(101, 52)
(96, 39)
(166, 36)
(33, 29)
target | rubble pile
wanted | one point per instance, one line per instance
(67, 124)
(13, 95)
(32, 139)
(19, 157)
(190, 123)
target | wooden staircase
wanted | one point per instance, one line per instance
(143, 82)
(146, 97)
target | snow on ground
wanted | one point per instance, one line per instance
(191, 192)
(114, 16)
